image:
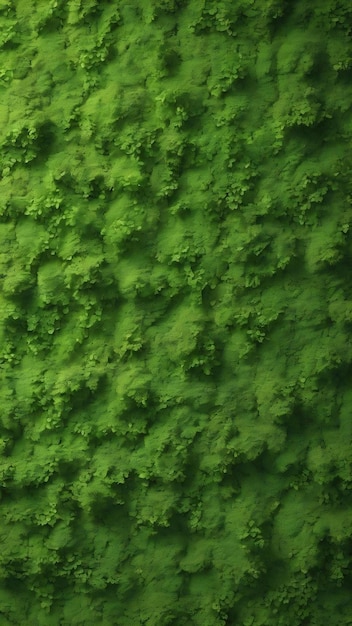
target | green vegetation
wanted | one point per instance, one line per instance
(175, 313)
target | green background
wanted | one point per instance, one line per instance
(175, 313)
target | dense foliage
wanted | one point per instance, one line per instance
(176, 313)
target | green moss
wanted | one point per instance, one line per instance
(175, 313)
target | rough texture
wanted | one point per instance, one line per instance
(176, 312)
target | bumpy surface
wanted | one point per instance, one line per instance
(176, 313)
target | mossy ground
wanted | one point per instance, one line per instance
(176, 313)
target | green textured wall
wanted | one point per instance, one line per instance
(175, 313)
